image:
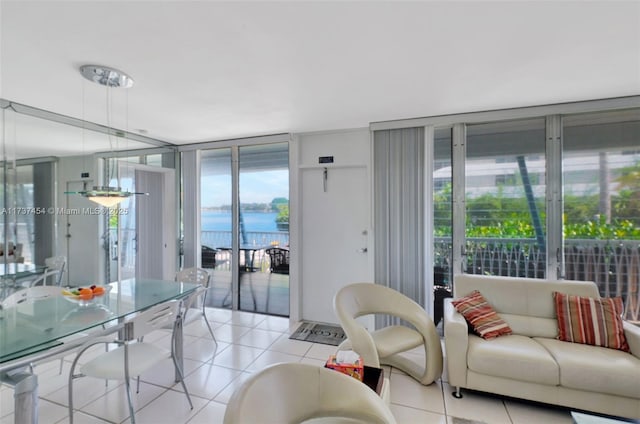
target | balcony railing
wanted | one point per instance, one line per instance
(216, 239)
(614, 265)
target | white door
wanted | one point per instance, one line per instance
(335, 237)
(81, 235)
(148, 234)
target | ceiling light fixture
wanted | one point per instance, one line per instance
(107, 196)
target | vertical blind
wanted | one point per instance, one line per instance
(399, 213)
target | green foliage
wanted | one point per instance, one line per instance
(283, 213)
(497, 216)
(277, 202)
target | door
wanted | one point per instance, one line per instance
(147, 235)
(336, 244)
(82, 228)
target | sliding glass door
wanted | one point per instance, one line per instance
(245, 226)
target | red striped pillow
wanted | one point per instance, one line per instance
(482, 317)
(591, 321)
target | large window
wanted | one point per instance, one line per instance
(505, 198)
(601, 169)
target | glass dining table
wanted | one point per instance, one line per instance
(13, 273)
(36, 330)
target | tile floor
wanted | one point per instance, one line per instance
(248, 342)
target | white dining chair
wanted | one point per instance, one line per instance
(58, 264)
(42, 279)
(133, 357)
(190, 309)
(29, 294)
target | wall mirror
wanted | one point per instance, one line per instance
(43, 155)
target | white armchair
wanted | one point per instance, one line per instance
(387, 345)
(294, 393)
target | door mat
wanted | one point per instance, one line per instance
(319, 333)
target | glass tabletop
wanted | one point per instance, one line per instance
(40, 324)
(19, 270)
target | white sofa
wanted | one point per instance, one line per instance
(531, 363)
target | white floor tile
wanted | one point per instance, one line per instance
(163, 374)
(230, 333)
(269, 358)
(406, 391)
(211, 413)
(259, 338)
(218, 315)
(404, 414)
(246, 319)
(114, 406)
(198, 327)
(293, 347)
(169, 408)
(225, 395)
(85, 390)
(237, 357)
(321, 351)
(522, 412)
(208, 381)
(82, 418)
(475, 406)
(203, 349)
(274, 324)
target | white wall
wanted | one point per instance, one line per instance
(333, 225)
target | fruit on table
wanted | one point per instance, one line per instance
(86, 295)
(97, 290)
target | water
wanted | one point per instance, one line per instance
(253, 221)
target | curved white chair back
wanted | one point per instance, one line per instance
(294, 393)
(196, 276)
(58, 264)
(32, 293)
(193, 275)
(361, 299)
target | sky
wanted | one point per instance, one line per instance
(255, 187)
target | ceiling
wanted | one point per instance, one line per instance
(209, 70)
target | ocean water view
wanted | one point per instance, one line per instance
(260, 228)
(253, 221)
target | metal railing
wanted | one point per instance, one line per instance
(216, 239)
(614, 265)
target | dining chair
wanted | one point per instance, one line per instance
(133, 357)
(190, 310)
(295, 393)
(56, 263)
(28, 294)
(42, 279)
(278, 260)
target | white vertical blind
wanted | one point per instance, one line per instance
(399, 212)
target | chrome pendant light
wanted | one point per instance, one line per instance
(107, 196)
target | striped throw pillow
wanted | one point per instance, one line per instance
(591, 321)
(483, 318)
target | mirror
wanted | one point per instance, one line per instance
(43, 155)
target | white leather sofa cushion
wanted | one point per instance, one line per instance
(531, 326)
(515, 357)
(595, 369)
